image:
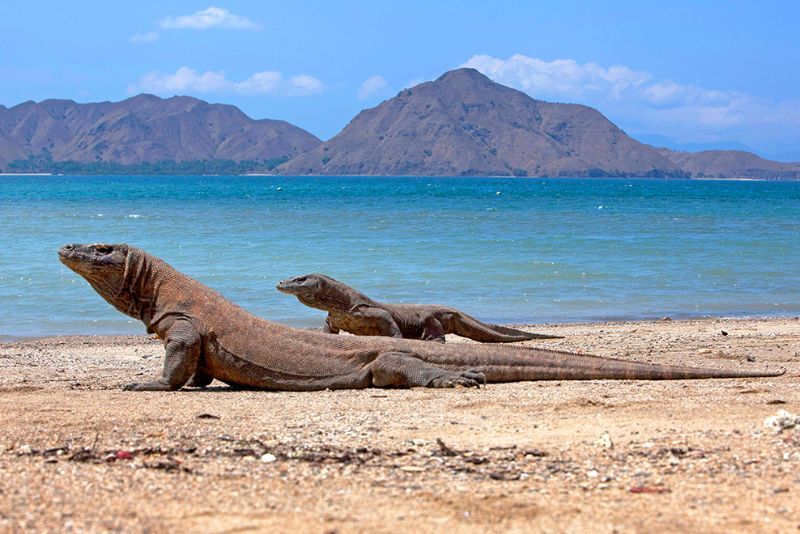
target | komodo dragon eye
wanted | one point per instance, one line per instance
(104, 249)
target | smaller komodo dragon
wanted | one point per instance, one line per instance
(208, 337)
(352, 311)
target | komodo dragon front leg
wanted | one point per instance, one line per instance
(182, 344)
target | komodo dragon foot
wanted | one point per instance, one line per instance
(406, 370)
(467, 379)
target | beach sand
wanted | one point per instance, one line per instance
(602, 456)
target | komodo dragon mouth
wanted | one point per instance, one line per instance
(76, 256)
(308, 283)
(106, 268)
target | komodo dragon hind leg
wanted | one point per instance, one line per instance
(403, 369)
(180, 362)
(379, 317)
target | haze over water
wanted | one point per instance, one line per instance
(504, 250)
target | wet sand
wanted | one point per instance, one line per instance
(78, 453)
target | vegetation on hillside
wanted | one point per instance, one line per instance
(44, 163)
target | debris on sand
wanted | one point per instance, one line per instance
(781, 421)
(649, 489)
(604, 441)
(444, 450)
(118, 455)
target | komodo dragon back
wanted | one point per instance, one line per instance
(207, 337)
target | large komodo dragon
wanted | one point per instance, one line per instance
(206, 337)
(352, 311)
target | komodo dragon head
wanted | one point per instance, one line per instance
(315, 290)
(306, 285)
(105, 267)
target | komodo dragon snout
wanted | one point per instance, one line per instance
(102, 265)
(86, 258)
(308, 283)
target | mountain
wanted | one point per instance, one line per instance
(458, 125)
(144, 128)
(465, 124)
(732, 164)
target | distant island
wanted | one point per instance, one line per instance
(462, 124)
(144, 135)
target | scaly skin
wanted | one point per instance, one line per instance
(207, 337)
(352, 311)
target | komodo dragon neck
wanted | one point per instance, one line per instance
(336, 298)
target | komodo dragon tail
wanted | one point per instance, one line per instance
(466, 326)
(513, 364)
(514, 332)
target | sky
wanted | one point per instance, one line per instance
(700, 73)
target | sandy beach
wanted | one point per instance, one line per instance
(77, 453)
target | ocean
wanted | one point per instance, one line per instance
(504, 250)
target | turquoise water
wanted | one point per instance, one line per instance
(508, 250)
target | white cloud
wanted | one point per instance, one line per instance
(371, 87)
(260, 82)
(144, 37)
(636, 100)
(211, 17)
(186, 80)
(306, 84)
(567, 79)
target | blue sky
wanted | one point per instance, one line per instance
(693, 72)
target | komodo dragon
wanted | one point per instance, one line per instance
(352, 311)
(207, 337)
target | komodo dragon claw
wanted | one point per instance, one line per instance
(467, 379)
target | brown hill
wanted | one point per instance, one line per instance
(144, 128)
(732, 164)
(465, 124)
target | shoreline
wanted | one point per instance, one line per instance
(433, 177)
(11, 338)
